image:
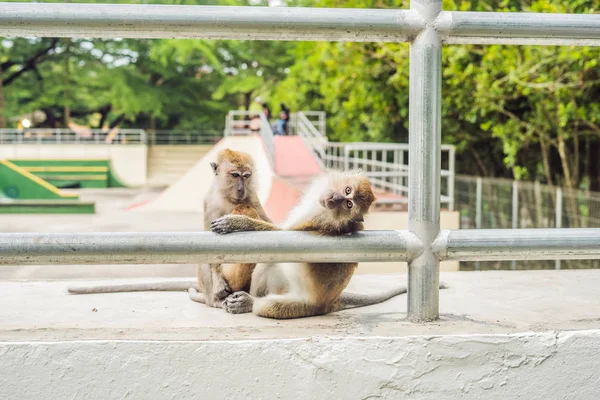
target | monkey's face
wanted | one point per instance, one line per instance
(235, 181)
(348, 200)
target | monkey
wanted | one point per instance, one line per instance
(233, 191)
(335, 204)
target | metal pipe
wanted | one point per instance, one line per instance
(519, 28)
(519, 244)
(216, 22)
(195, 247)
(425, 162)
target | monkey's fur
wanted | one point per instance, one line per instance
(335, 204)
(233, 192)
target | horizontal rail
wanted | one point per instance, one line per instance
(215, 22)
(519, 244)
(368, 246)
(519, 28)
(192, 248)
(70, 136)
(292, 23)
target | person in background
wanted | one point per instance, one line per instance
(281, 125)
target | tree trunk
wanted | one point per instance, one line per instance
(247, 100)
(546, 160)
(564, 161)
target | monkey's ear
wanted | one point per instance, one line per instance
(214, 167)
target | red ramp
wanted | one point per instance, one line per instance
(295, 166)
(294, 159)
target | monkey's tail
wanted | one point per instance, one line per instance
(355, 300)
(167, 286)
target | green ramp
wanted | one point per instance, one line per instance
(23, 192)
(83, 173)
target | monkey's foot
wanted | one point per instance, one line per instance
(223, 225)
(238, 303)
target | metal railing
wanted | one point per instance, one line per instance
(72, 136)
(426, 27)
(182, 137)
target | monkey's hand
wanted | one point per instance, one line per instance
(228, 224)
(238, 303)
(240, 223)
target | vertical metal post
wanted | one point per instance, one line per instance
(397, 171)
(478, 211)
(383, 167)
(424, 162)
(558, 215)
(346, 158)
(515, 214)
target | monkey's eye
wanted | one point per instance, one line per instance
(348, 190)
(246, 176)
(235, 174)
(349, 204)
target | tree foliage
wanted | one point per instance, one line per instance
(529, 112)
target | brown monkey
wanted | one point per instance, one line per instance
(335, 204)
(233, 191)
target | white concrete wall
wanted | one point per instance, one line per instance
(396, 220)
(129, 162)
(530, 366)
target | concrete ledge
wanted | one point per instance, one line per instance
(529, 365)
(531, 335)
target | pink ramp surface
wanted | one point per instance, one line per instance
(282, 199)
(294, 158)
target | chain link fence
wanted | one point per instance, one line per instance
(491, 203)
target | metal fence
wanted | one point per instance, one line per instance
(72, 136)
(494, 203)
(426, 27)
(182, 137)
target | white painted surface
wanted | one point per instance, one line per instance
(128, 162)
(188, 193)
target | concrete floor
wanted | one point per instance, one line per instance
(475, 303)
